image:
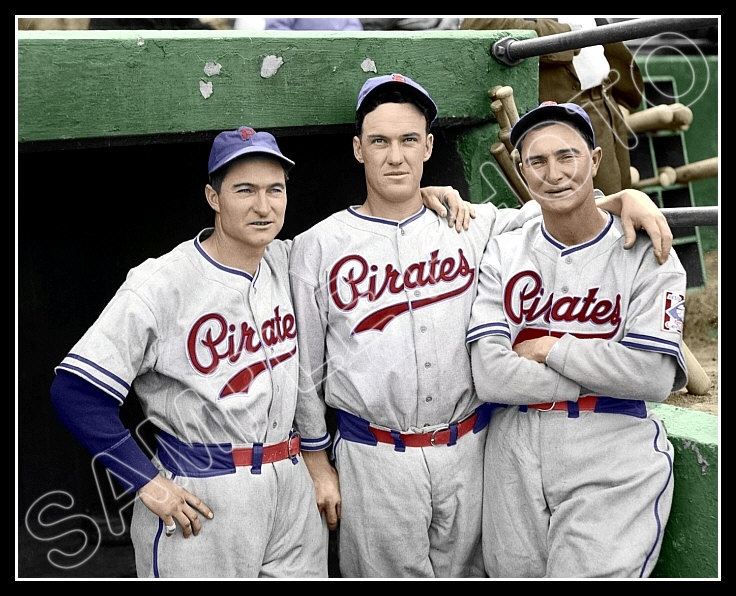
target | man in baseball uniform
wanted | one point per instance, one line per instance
(206, 335)
(575, 334)
(383, 292)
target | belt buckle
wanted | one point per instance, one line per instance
(290, 455)
(547, 409)
(434, 434)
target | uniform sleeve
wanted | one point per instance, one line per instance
(613, 369)
(120, 346)
(502, 376)
(311, 336)
(507, 220)
(93, 417)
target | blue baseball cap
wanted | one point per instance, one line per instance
(554, 112)
(403, 84)
(233, 143)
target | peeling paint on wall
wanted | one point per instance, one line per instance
(368, 65)
(205, 89)
(693, 446)
(212, 69)
(270, 66)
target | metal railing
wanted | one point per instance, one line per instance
(683, 217)
(511, 51)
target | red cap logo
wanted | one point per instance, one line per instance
(246, 132)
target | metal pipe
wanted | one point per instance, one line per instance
(511, 51)
(683, 217)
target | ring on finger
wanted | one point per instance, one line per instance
(170, 529)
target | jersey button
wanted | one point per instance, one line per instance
(568, 259)
(564, 289)
(423, 329)
(275, 424)
(427, 365)
(428, 399)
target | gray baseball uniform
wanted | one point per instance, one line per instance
(212, 353)
(382, 310)
(581, 485)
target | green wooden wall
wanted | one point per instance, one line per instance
(117, 84)
(696, 80)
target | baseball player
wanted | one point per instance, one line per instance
(575, 334)
(383, 292)
(206, 336)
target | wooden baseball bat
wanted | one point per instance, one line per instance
(697, 170)
(667, 176)
(500, 112)
(504, 135)
(498, 149)
(644, 182)
(682, 116)
(506, 95)
(634, 176)
(675, 116)
(493, 90)
(698, 381)
(655, 118)
(504, 132)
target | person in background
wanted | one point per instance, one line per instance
(408, 24)
(314, 24)
(125, 23)
(149, 23)
(383, 294)
(599, 78)
(47, 24)
(573, 334)
(249, 23)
